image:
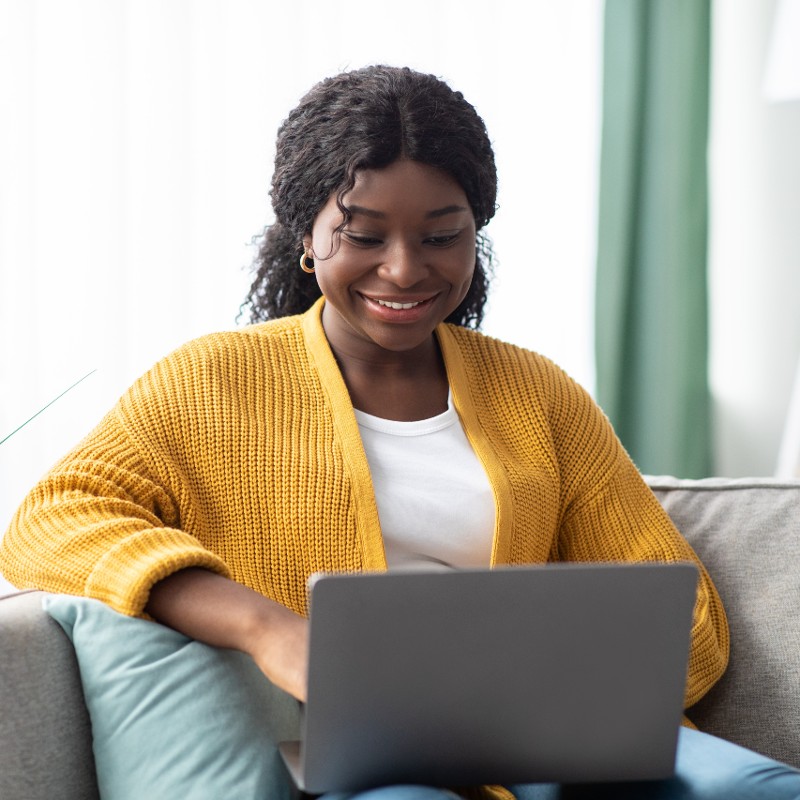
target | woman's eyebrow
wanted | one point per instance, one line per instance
(437, 212)
(367, 212)
(443, 212)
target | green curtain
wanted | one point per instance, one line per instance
(651, 294)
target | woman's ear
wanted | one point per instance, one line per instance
(307, 242)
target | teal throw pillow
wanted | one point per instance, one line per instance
(174, 718)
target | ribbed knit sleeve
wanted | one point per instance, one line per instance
(610, 514)
(99, 525)
(624, 522)
(569, 491)
(222, 456)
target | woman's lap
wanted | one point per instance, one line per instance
(395, 793)
(707, 768)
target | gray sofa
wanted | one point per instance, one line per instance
(747, 532)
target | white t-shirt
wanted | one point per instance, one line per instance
(435, 502)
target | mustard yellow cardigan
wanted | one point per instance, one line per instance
(240, 453)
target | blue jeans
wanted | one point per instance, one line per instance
(707, 768)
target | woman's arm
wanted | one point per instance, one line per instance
(218, 611)
(625, 522)
(610, 514)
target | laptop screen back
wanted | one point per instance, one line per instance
(548, 673)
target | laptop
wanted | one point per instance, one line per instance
(559, 672)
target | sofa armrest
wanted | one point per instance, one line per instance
(45, 737)
(747, 534)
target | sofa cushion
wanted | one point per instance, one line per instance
(747, 533)
(172, 717)
(45, 740)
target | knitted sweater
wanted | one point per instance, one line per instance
(240, 453)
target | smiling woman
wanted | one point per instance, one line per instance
(391, 217)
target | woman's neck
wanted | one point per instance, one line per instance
(401, 386)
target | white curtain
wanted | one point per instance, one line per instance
(135, 155)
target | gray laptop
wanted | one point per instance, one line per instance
(569, 673)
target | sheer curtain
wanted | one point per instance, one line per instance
(135, 157)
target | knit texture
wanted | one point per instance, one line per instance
(240, 453)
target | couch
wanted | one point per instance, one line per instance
(746, 531)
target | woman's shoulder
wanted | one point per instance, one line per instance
(486, 353)
(248, 342)
(504, 373)
(526, 388)
(218, 363)
(260, 334)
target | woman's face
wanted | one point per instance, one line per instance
(401, 265)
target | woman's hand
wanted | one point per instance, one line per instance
(220, 612)
(280, 648)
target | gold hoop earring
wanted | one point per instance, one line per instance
(303, 265)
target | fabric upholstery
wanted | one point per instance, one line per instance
(747, 533)
(45, 739)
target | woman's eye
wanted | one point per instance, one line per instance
(360, 239)
(442, 240)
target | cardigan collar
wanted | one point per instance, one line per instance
(348, 434)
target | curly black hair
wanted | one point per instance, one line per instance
(367, 119)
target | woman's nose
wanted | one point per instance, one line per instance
(404, 266)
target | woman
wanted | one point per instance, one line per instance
(356, 429)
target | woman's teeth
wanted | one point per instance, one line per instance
(390, 304)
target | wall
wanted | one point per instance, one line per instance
(754, 245)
